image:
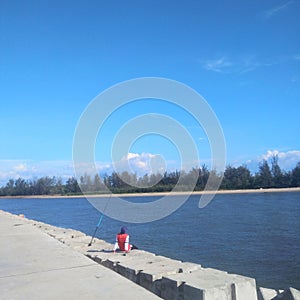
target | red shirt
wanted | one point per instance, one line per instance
(122, 242)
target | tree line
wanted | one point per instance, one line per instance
(268, 176)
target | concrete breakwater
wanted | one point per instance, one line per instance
(165, 277)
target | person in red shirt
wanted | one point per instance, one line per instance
(122, 241)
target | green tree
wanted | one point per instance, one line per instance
(203, 177)
(43, 186)
(126, 179)
(245, 178)
(143, 181)
(278, 176)
(72, 186)
(192, 176)
(237, 178)
(98, 186)
(21, 187)
(229, 179)
(59, 187)
(9, 188)
(263, 178)
(86, 184)
(295, 176)
(155, 179)
(114, 181)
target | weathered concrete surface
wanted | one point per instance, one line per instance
(35, 266)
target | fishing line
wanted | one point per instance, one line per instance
(99, 222)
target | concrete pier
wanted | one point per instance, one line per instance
(33, 265)
(39, 259)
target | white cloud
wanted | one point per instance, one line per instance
(297, 57)
(240, 65)
(287, 160)
(29, 169)
(130, 156)
(245, 63)
(217, 65)
(21, 167)
(134, 163)
(141, 164)
(275, 10)
(269, 154)
(294, 154)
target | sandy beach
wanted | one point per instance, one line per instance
(271, 190)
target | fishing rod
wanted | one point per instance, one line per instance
(100, 220)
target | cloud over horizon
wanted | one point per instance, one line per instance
(30, 169)
(287, 160)
(141, 164)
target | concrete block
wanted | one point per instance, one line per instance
(295, 293)
(159, 267)
(175, 290)
(188, 267)
(200, 284)
(133, 263)
(243, 288)
(151, 274)
(150, 271)
(130, 273)
(208, 284)
(172, 289)
(142, 267)
(100, 245)
(79, 244)
(217, 292)
(98, 256)
(290, 294)
(266, 294)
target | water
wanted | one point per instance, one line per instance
(255, 235)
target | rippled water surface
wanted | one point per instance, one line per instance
(256, 235)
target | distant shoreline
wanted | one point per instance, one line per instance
(246, 191)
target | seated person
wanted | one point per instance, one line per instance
(122, 241)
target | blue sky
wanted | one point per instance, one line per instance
(243, 57)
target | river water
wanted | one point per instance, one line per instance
(255, 234)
